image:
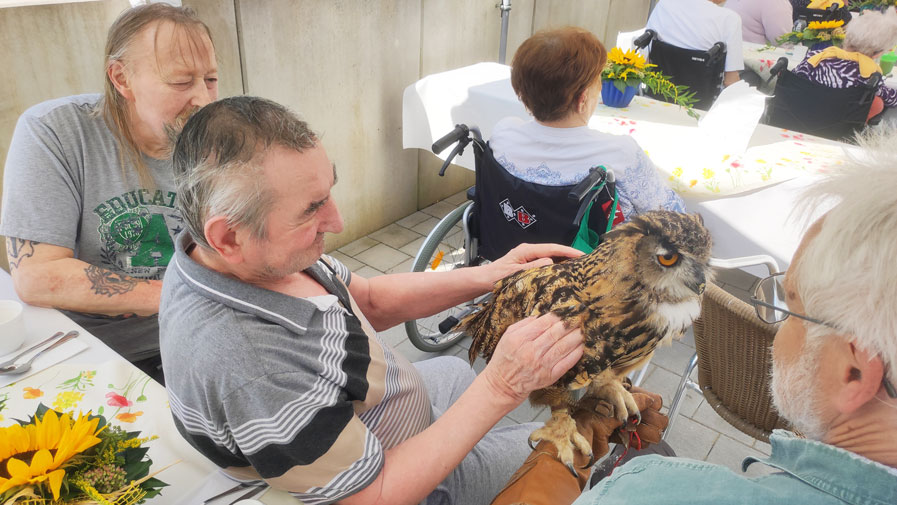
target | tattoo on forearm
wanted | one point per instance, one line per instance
(18, 249)
(106, 282)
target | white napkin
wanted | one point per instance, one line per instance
(729, 124)
(46, 360)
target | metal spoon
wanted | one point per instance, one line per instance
(19, 368)
(12, 360)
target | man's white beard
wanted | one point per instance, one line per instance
(795, 395)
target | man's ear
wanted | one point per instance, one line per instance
(859, 377)
(119, 76)
(225, 240)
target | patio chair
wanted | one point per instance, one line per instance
(701, 71)
(805, 106)
(733, 359)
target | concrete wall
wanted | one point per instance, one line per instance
(342, 64)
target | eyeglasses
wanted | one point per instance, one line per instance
(768, 299)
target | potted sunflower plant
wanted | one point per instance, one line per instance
(626, 71)
(817, 35)
(59, 459)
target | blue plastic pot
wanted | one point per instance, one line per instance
(613, 97)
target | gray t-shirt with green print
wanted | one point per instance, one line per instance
(64, 185)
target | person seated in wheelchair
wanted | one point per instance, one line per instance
(699, 24)
(867, 37)
(557, 76)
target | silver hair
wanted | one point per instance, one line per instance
(218, 161)
(847, 274)
(871, 32)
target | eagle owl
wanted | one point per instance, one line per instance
(641, 287)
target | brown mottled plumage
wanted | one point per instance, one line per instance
(640, 287)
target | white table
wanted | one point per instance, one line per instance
(192, 480)
(746, 216)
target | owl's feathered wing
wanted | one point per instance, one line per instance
(622, 317)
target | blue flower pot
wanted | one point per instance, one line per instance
(612, 97)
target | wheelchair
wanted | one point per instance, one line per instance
(810, 107)
(502, 212)
(701, 71)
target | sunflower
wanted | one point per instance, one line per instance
(630, 57)
(33, 453)
(824, 25)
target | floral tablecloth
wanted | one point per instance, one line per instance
(126, 397)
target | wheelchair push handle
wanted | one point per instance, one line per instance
(597, 176)
(644, 39)
(781, 64)
(461, 131)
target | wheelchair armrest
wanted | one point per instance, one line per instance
(644, 39)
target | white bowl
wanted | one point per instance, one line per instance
(12, 326)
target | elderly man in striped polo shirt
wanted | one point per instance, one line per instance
(273, 365)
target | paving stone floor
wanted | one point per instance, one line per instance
(699, 432)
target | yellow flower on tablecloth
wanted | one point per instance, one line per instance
(129, 417)
(32, 393)
(692, 183)
(708, 173)
(34, 453)
(677, 171)
(67, 400)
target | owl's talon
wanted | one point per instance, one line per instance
(530, 443)
(572, 470)
(635, 419)
(591, 462)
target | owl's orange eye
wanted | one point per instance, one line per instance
(668, 259)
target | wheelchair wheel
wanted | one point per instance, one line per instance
(444, 249)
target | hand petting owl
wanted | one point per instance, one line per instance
(641, 287)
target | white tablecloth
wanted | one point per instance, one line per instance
(82, 383)
(751, 219)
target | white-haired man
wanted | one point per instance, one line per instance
(273, 366)
(833, 376)
(89, 197)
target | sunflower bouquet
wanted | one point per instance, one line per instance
(816, 32)
(630, 69)
(58, 459)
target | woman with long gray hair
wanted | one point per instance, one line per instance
(89, 192)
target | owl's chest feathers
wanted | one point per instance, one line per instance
(676, 316)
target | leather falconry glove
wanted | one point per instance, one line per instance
(543, 480)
